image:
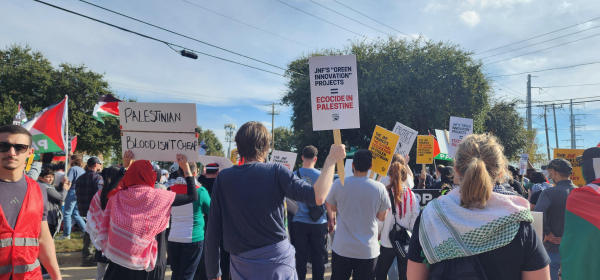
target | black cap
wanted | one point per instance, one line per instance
(93, 160)
(561, 165)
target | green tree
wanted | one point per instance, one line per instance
(284, 139)
(215, 148)
(418, 83)
(28, 77)
(504, 121)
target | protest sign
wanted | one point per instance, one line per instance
(459, 128)
(538, 223)
(348, 169)
(442, 140)
(383, 145)
(571, 155)
(287, 159)
(334, 96)
(160, 146)
(407, 138)
(157, 117)
(221, 161)
(424, 149)
(523, 164)
(425, 195)
(334, 92)
(233, 157)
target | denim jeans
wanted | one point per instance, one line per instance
(554, 265)
(71, 210)
(185, 258)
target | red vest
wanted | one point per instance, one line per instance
(19, 247)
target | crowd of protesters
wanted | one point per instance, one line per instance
(216, 223)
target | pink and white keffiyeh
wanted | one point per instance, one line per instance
(130, 222)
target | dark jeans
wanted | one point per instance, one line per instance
(313, 236)
(185, 258)
(360, 269)
(384, 262)
(87, 254)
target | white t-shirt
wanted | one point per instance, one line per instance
(410, 212)
(358, 201)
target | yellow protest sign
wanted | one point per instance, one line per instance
(234, 156)
(571, 155)
(424, 149)
(383, 145)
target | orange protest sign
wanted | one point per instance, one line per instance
(424, 149)
(571, 155)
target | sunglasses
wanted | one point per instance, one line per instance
(19, 148)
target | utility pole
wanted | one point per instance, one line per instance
(546, 126)
(229, 128)
(555, 127)
(273, 113)
(529, 102)
(573, 142)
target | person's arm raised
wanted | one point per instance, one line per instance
(323, 184)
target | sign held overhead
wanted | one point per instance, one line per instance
(459, 128)
(424, 149)
(383, 145)
(160, 146)
(157, 117)
(407, 138)
(334, 92)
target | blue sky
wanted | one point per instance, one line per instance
(230, 93)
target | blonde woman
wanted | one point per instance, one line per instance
(475, 231)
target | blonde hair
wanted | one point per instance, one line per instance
(481, 163)
(398, 175)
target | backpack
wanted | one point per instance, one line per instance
(465, 268)
(314, 212)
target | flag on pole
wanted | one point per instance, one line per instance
(48, 128)
(20, 117)
(108, 106)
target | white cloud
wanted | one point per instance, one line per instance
(434, 7)
(470, 18)
(495, 3)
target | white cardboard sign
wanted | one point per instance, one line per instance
(160, 146)
(162, 117)
(459, 128)
(538, 223)
(348, 168)
(221, 161)
(334, 92)
(523, 164)
(287, 159)
(407, 138)
(442, 141)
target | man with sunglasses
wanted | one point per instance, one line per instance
(25, 238)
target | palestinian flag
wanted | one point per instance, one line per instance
(108, 106)
(48, 128)
(20, 117)
(580, 245)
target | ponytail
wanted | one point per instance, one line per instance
(398, 175)
(481, 163)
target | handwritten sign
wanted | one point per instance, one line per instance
(407, 138)
(287, 159)
(160, 146)
(334, 92)
(459, 128)
(424, 149)
(157, 117)
(523, 164)
(383, 145)
(571, 155)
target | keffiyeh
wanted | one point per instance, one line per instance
(449, 231)
(539, 187)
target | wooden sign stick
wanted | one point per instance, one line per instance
(372, 175)
(337, 139)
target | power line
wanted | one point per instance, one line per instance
(539, 36)
(557, 68)
(258, 28)
(159, 90)
(572, 86)
(516, 93)
(155, 39)
(349, 18)
(173, 32)
(572, 98)
(563, 103)
(539, 42)
(545, 49)
(322, 19)
(376, 20)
